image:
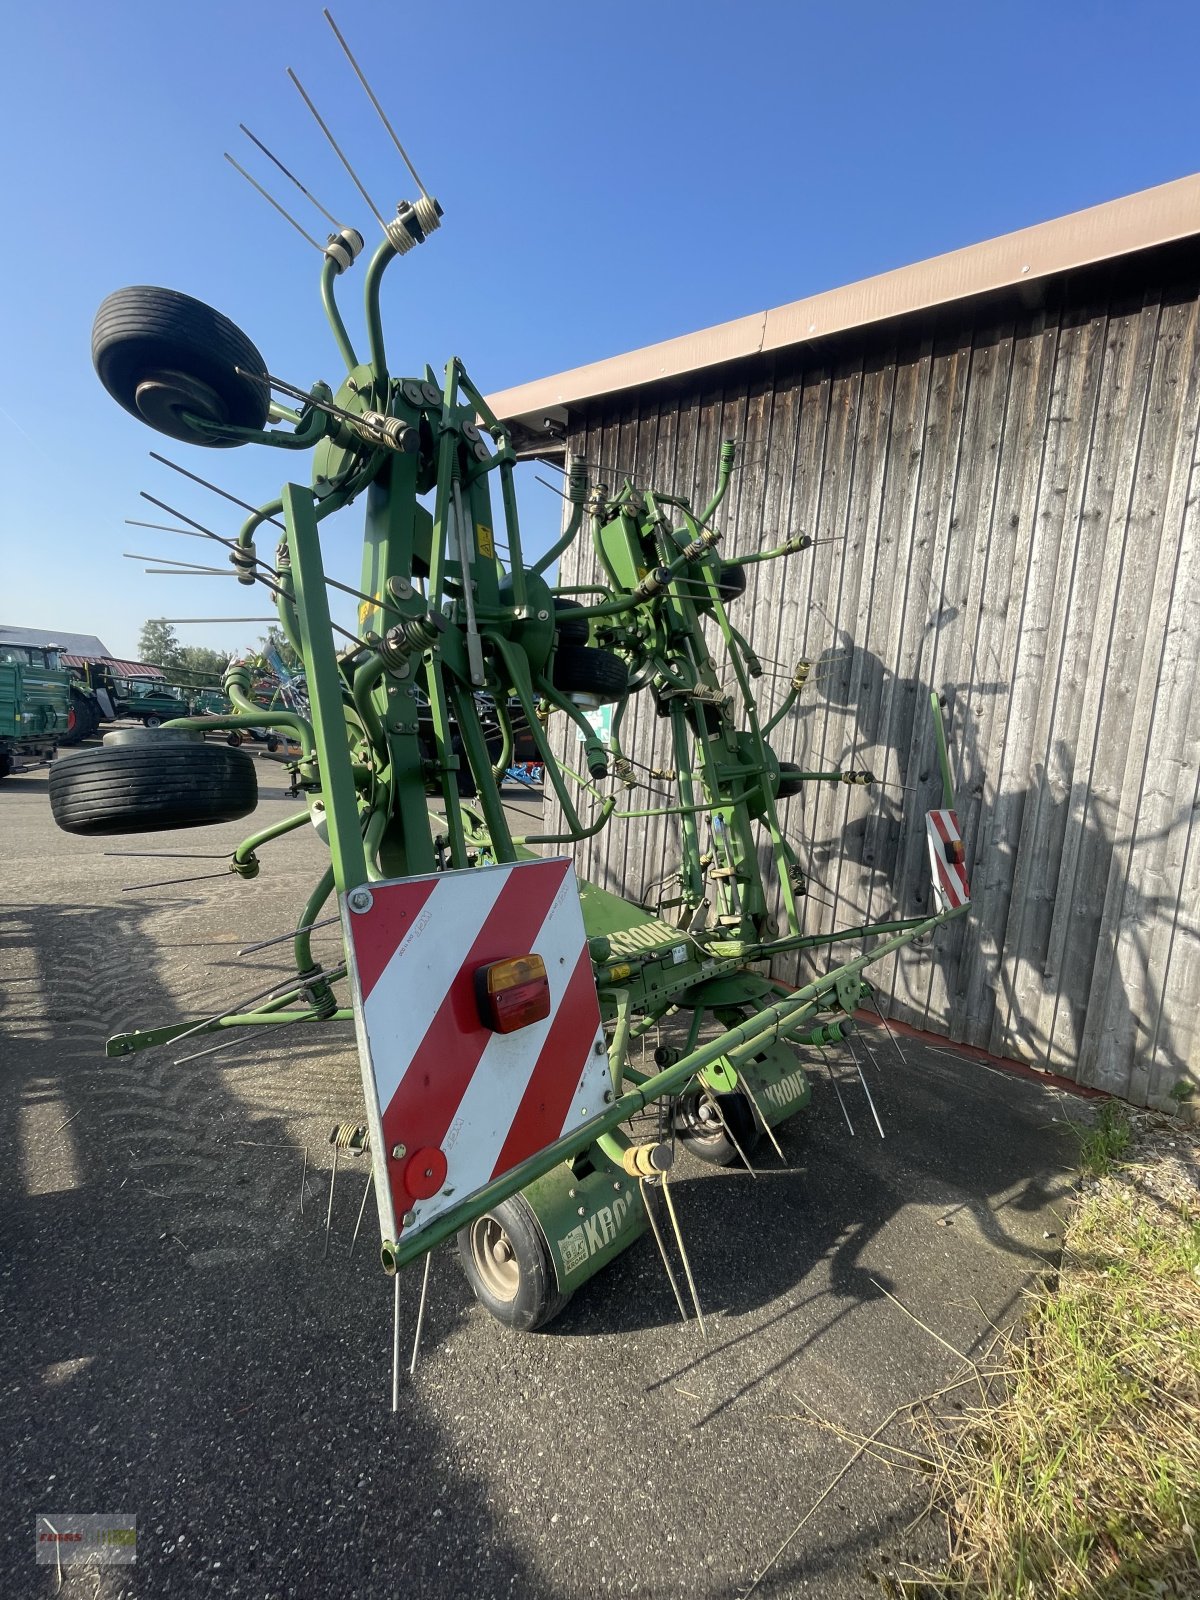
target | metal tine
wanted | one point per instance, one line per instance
(173, 855)
(169, 883)
(396, 1342)
(662, 1250)
(271, 200)
(329, 1211)
(204, 484)
(836, 1089)
(282, 938)
(887, 1027)
(412, 1365)
(337, 149)
(239, 1005)
(361, 1210)
(242, 1038)
(687, 1265)
(328, 215)
(230, 544)
(863, 1081)
(132, 522)
(188, 572)
(181, 621)
(194, 566)
(767, 1128)
(371, 96)
(303, 1179)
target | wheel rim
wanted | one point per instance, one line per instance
(494, 1258)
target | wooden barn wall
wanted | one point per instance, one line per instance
(1007, 515)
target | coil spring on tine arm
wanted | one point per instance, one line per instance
(245, 563)
(414, 221)
(318, 993)
(702, 545)
(350, 1136)
(413, 635)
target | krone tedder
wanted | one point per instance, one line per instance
(495, 997)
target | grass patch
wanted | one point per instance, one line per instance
(1083, 1477)
(1106, 1141)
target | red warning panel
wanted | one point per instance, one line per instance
(458, 1102)
(947, 857)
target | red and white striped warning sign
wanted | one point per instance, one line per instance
(453, 1104)
(947, 857)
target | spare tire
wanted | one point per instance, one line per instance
(161, 355)
(581, 670)
(139, 782)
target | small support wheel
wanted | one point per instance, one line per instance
(152, 720)
(506, 1259)
(579, 669)
(704, 1123)
(167, 358)
(789, 781)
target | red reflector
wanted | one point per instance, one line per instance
(512, 994)
(956, 851)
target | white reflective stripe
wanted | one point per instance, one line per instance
(488, 1108)
(410, 990)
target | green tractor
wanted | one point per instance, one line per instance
(35, 703)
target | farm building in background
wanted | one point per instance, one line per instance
(79, 650)
(996, 452)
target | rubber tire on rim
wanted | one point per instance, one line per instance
(536, 1299)
(731, 581)
(717, 1149)
(82, 720)
(143, 333)
(146, 782)
(571, 630)
(580, 670)
(789, 781)
(152, 720)
(234, 737)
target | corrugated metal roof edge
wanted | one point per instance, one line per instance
(1161, 215)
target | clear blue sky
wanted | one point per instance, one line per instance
(612, 175)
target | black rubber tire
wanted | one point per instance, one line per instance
(571, 630)
(731, 582)
(82, 720)
(142, 335)
(536, 1298)
(235, 737)
(789, 781)
(139, 782)
(580, 670)
(152, 720)
(716, 1148)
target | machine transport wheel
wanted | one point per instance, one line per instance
(152, 720)
(581, 670)
(571, 630)
(789, 781)
(139, 782)
(506, 1259)
(161, 354)
(701, 1131)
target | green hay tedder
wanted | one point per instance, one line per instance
(494, 996)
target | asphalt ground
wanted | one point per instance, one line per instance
(177, 1345)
